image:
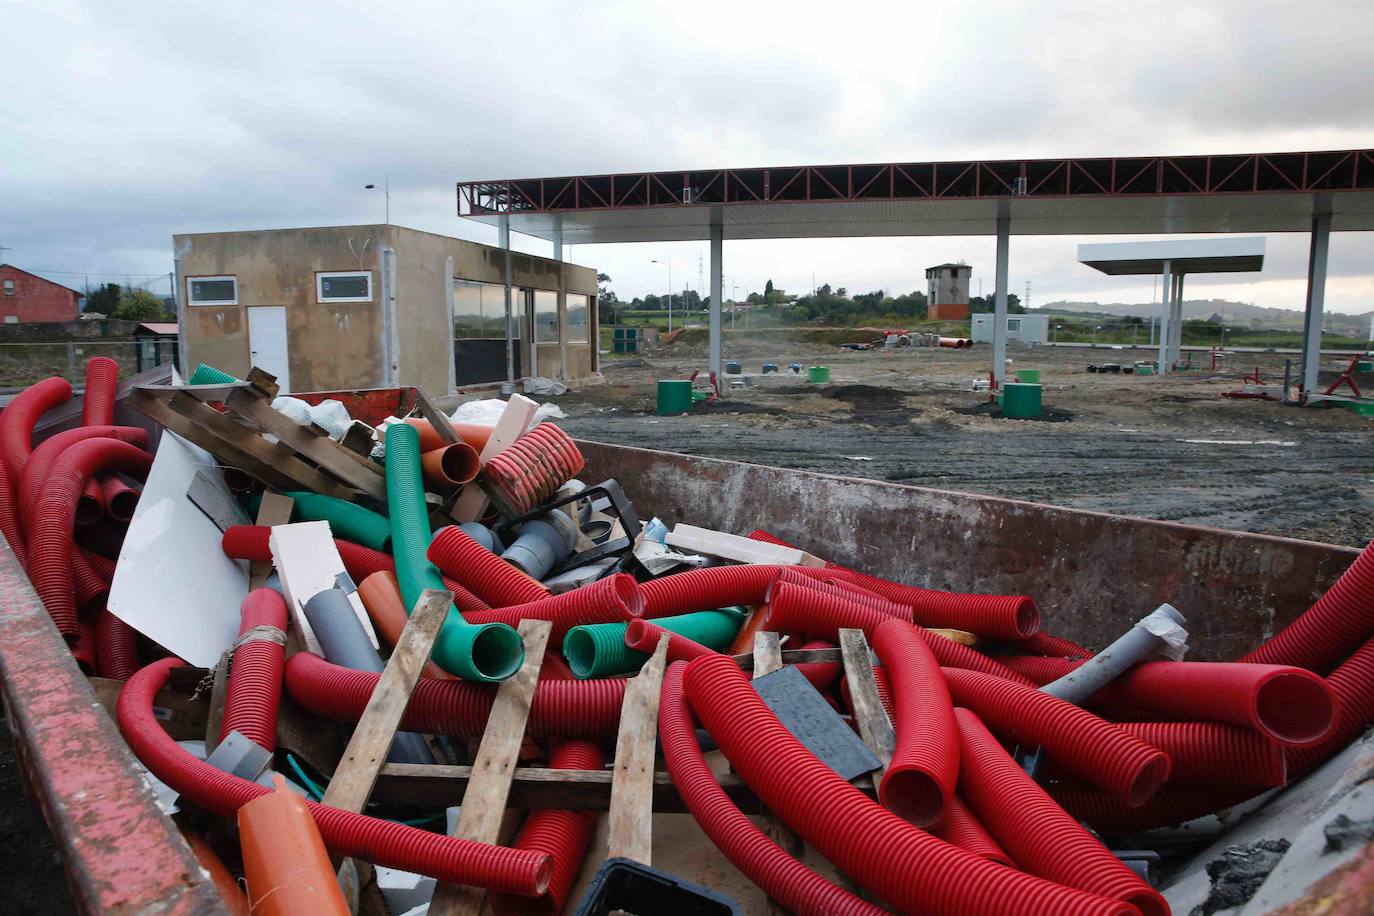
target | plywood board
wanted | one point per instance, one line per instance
(307, 563)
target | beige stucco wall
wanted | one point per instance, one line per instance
(335, 346)
(330, 346)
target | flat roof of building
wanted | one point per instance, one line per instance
(1221, 255)
(1250, 192)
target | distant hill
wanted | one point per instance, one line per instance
(1240, 314)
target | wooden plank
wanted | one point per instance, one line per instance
(632, 803)
(693, 539)
(539, 787)
(767, 652)
(356, 773)
(275, 509)
(358, 439)
(442, 428)
(251, 404)
(767, 659)
(181, 716)
(484, 801)
(219, 691)
(514, 420)
(150, 405)
(869, 714)
(274, 458)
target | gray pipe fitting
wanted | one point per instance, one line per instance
(344, 642)
(543, 543)
(482, 535)
(1159, 631)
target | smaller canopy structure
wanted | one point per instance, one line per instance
(1172, 259)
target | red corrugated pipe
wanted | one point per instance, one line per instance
(842, 589)
(116, 653)
(998, 616)
(90, 505)
(83, 648)
(1286, 704)
(9, 518)
(920, 780)
(251, 542)
(514, 871)
(482, 572)
(50, 544)
(532, 468)
(821, 674)
(963, 829)
(103, 566)
(1092, 748)
(102, 382)
(562, 835)
(250, 705)
(563, 709)
(902, 864)
(1043, 643)
(1206, 752)
(799, 889)
(1035, 831)
(793, 608)
(644, 636)
(39, 463)
(1331, 628)
(707, 589)
(1173, 804)
(88, 584)
(1353, 684)
(120, 499)
(20, 415)
(609, 600)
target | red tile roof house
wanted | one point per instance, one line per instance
(25, 297)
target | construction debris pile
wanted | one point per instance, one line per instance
(458, 620)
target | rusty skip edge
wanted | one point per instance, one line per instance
(119, 852)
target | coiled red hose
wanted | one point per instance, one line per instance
(963, 829)
(50, 543)
(902, 864)
(1286, 704)
(254, 693)
(515, 871)
(562, 835)
(842, 589)
(39, 463)
(18, 419)
(1329, 630)
(644, 636)
(533, 467)
(920, 780)
(792, 608)
(609, 600)
(1092, 748)
(482, 572)
(251, 542)
(1034, 830)
(563, 709)
(1208, 752)
(782, 877)
(116, 653)
(102, 381)
(997, 616)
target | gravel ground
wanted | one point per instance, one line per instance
(1166, 448)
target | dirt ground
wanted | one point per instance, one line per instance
(1166, 448)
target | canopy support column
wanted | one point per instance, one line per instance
(999, 315)
(717, 291)
(1316, 301)
(1165, 309)
(503, 229)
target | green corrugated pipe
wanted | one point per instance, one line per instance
(599, 650)
(209, 375)
(347, 521)
(488, 652)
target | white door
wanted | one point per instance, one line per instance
(267, 342)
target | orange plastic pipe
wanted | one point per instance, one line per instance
(450, 465)
(284, 859)
(381, 597)
(229, 890)
(744, 639)
(473, 434)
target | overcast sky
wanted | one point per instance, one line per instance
(122, 123)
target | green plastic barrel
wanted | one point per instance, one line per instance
(1364, 365)
(1021, 401)
(1145, 369)
(674, 397)
(1029, 376)
(818, 374)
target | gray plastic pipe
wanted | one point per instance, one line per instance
(543, 543)
(1162, 630)
(482, 535)
(344, 642)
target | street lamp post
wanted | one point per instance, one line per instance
(1224, 329)
(386, 190)
(1057, 329)
(1096, 328)
(668, 264)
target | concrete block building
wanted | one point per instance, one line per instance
(25, 297)
(947, 292)
(346, 307)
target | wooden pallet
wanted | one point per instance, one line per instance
(295, 457)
